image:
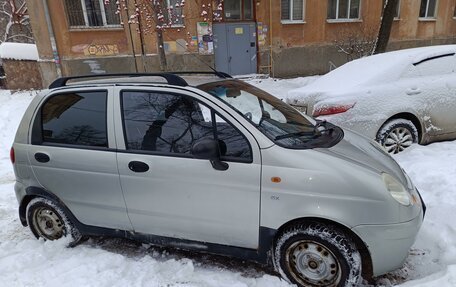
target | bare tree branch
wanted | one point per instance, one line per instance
(15, 24)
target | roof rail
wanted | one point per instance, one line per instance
(219, 74)
(171, 78)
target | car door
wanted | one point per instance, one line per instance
(431, 87)
(168, 192)
(73, 155)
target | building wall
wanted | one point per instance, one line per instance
(298, 49)
(112, 50)
(22, 75)
(309, 48)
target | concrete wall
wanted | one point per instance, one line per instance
(298, 49)
(128, 64)
(318, 59)
(22, 75)
(308, 48)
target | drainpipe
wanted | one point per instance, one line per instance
(271, 58)
(55, 52)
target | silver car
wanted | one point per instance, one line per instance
(398, 98)
(222, 167)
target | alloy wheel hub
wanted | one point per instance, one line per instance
(398, 140)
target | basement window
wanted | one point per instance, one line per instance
(92, 13)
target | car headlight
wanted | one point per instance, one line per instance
(396, 189)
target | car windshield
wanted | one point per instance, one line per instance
(277, 120)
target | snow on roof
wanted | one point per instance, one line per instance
(18, 51)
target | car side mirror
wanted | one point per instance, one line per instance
(209, 149)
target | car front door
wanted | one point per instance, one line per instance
(73, 155)
(169, 192)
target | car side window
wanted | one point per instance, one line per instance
(162, 122)
(233, 145)
(170, 124)
(432, 67)
(77, 118)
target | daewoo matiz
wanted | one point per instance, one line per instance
(220, 167)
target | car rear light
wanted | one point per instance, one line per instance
(12, 155)
(331, 110)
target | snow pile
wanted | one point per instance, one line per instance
(18, 51)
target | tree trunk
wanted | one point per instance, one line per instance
(388, 14)
(161, 51)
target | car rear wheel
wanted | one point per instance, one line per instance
(396, 135)
(317, 254)
(47, 220)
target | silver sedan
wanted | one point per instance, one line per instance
(397, 98)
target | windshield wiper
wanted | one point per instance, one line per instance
(297, 134)
(321, 127)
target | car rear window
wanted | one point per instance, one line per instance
(75, 119)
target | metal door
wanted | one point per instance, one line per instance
(182, 197)
(235, 48)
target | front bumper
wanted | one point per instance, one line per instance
(389, 244)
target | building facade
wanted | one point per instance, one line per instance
(281, 37)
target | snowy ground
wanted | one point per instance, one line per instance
(25, 261)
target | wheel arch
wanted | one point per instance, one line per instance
(367, 268)
(407, 116)
(34, 192)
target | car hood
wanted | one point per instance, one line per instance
(364, 152)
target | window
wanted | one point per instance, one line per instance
(275, 119)
(238, 9)
(75, 119)
(343, 9)
(437, 66)
(397, 10)
(92, 13)
(454, 13)
(292, 10)
(428, 8)
(171, 124)
(174, 14)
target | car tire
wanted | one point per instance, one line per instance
(317, 254)
(396, 135)
(48, 220)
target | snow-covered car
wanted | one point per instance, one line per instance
(221, 167)
(397, 98)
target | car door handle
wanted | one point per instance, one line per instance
(413, 91)
(138, 166)
(42, 157)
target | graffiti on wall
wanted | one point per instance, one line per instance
(101, 50)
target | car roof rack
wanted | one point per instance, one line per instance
(219, 74)
(171, 78)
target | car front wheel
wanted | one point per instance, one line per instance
(396, 135)
(47, 220)
(316, 254)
